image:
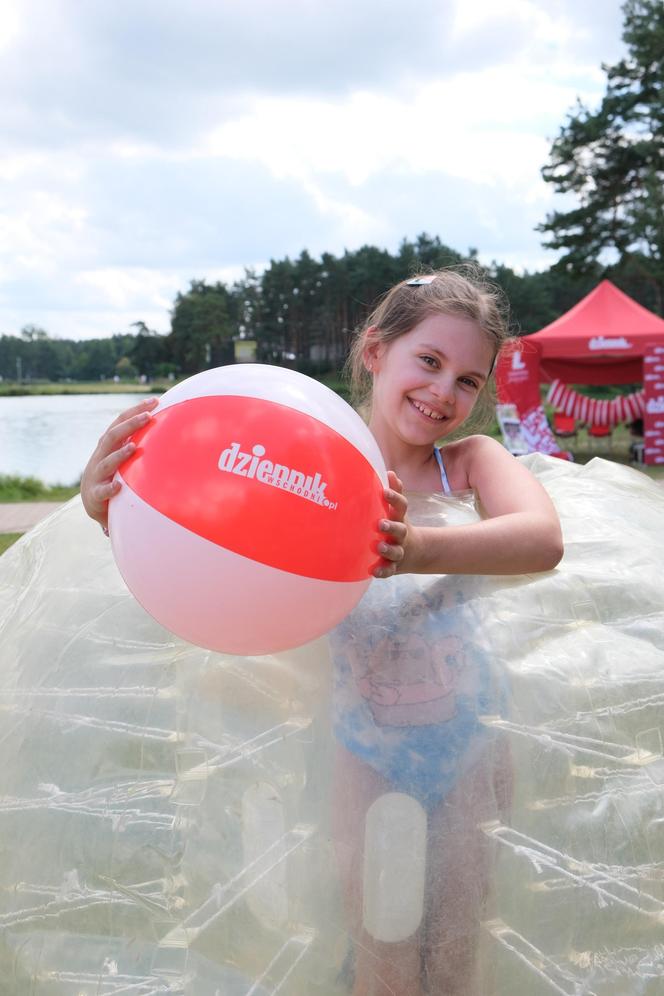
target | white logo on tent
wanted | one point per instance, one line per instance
(605, 342)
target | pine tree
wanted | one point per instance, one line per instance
(612, 161)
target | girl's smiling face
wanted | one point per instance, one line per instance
(426, 382)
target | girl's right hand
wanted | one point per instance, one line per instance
(393, 548)
(97, 484)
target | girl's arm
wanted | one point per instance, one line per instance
(97, 484)
(520, 535)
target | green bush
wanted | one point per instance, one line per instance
(30, 489)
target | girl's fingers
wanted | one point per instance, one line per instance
(386, 570)
(396, 499)
(394, 483)
(147, 404)
(392, 554)
(108, 466)
(100, 471)
(105, 491)
(396, 529)
(119, 431)
(116, 436)
(391, 551)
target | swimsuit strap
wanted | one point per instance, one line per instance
(443, 476)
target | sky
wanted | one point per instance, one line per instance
(148, 143)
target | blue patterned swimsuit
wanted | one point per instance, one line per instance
(412, 679)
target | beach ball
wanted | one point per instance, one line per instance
(248, 517)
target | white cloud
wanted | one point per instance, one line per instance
(482, 126)
(122, 289)
(149, 144)
(38, 237)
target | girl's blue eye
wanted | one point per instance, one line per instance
(469, 382)
(429, 360)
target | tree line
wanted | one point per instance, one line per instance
(302, 312)
(299, 312)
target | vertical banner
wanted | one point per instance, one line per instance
(653, 419)
(518, 376)
(518, 384)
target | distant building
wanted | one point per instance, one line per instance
(245, 350)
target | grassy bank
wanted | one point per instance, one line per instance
(19, 489)
(11, 389)
(30, 489)
(7, 539)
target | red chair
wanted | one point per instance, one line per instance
(603, 433)
(564, 425)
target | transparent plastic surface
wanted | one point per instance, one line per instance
(177, 821)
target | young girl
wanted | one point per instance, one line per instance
(410, 683)
(426, 354)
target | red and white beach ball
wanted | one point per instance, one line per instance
(248, 517)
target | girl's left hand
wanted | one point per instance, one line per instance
(393, 548)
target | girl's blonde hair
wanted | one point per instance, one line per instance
(460, 290)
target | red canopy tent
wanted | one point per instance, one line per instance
(601, 340)
(607, 338)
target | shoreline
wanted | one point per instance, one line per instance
(14, 390)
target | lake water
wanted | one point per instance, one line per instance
(52, 436)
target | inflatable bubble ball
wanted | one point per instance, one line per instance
(460, 789)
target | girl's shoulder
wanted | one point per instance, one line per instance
(462, 455)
